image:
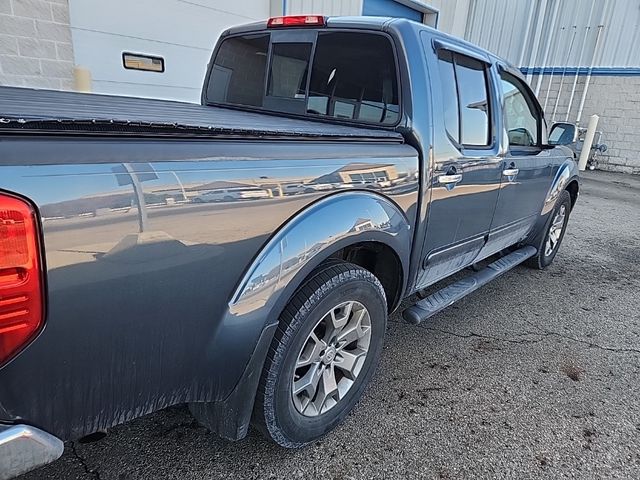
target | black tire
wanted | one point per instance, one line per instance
(542, 259)
(275, 414)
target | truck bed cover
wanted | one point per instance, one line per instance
(25, 109)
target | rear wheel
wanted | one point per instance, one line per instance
(322, 356)
(549, 239)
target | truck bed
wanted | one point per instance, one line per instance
(25, 109)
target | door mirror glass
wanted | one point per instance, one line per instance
(563, 134)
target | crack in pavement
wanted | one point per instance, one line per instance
(548, 333)
(544, 334)
(485, 337)
(83, 463)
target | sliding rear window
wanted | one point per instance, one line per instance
(350, 76)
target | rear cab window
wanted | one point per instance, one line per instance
(350, 76)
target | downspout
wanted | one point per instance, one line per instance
(548, 48)
(575, 78)
(553, 70)
(607, 13)
(526, 34)
(536, 39)
(564, 73)
(470, 16)
(588, 79)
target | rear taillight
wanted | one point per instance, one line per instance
(296, 21)
(21, 296)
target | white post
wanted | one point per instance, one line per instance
(588, 141)
(585, 89)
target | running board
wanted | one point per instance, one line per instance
(441, 299)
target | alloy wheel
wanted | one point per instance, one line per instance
(331, 358)
(555, 231)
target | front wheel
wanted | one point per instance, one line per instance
(549, 239)
(323, 355)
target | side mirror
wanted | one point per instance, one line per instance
(563, 133)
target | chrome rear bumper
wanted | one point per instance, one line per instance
(23, 448)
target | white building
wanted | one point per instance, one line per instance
(588, 51)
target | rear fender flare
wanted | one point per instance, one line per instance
(292, 253)
(311, 237)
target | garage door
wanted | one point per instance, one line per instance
(176, 34)
(390, 8)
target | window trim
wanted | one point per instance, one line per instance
(454, 48)
(306, 116)
(530, 98)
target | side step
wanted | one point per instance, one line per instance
(441, 299)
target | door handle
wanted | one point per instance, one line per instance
(450, 179)
(510, 172)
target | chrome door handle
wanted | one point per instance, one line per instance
(449, 179)
(510, 172)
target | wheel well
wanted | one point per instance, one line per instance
(380, 260)
(572, 188)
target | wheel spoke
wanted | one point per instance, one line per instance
(311, 351)
(348, 362)
(327, 388)
(558, 222)
(340, 316)
(336, 321)
(353, 331)
(308, 384)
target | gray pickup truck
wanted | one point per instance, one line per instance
(242, 255)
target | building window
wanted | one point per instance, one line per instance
(138, 61)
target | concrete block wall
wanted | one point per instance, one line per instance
(616, 100)
(35, 44)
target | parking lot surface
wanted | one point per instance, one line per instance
(536, 375)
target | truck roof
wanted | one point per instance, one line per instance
(25, 109)
(364, 22)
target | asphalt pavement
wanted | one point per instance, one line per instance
(536, 375)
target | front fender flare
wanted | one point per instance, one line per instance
(567, 172)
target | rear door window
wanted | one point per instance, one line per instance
(474, 101)
(465, 97)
